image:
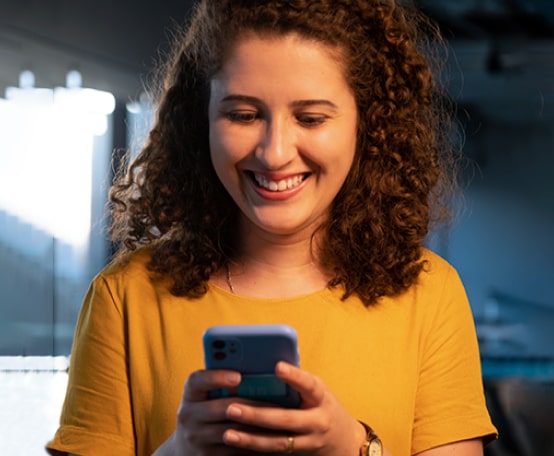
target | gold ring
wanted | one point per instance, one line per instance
(290, 445)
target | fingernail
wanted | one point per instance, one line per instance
(283, 368)
(234, 411)
(233, 378)
(231, 436)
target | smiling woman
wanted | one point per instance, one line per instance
(297, 159)
(282, 133)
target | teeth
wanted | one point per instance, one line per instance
(278, 186)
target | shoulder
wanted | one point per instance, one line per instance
(135, 263)
(436, 268)
(440, 292)
(130, 276)
(434, 262)
(437, 284)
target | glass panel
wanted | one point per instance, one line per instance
(54, 160)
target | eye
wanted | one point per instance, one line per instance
(242, 116)
(311, 120)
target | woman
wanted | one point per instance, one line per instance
(298, 157)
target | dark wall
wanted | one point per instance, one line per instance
(114, 43)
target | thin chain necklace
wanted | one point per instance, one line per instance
(229, 282)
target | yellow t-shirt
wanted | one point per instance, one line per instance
(409, 365)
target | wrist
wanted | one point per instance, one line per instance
(371, 445)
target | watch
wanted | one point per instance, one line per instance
(372, 445)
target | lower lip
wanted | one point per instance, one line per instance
(277, 196)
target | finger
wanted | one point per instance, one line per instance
(203, 425)
(201, 382)
(198, 414)
(264, 443)
(268, 418)
(311, 388)
(201, 435)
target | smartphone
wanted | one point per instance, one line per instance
(253, 350)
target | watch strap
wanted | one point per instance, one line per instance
(372, 440)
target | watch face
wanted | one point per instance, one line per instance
(375, 448)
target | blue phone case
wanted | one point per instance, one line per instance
(253, 350)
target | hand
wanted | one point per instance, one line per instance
(321, 426)
(201, 421)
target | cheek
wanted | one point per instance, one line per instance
(336, 149)
(350, 140)
(226, 151)
(218, 155)
(219, 150)
(227, 145)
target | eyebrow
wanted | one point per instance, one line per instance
(308, 103)
(294, 104)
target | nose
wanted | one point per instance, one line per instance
(276, 147)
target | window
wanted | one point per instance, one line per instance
(55, 153)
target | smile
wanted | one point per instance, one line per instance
(279, 185)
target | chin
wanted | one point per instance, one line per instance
(289, 228)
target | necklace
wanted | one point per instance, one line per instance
(229, 282)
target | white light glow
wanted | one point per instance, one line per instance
(46, 150)
(140, 117)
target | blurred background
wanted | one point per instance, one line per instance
(72, 76)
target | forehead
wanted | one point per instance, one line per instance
(256, 59)
(335, 52)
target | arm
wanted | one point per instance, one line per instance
(96, 416)
(450, 401)
(473, 447)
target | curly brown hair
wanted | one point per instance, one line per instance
(171, 199)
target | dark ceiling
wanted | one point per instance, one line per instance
(113, 43)
(496, 19)
(503, 49)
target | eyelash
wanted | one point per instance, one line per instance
(248, 117)
(311, 121)
(242, 117)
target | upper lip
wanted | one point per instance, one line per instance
(278, 176)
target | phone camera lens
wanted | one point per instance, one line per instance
(220, 356)
(218, 344)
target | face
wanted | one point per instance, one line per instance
(282, 131)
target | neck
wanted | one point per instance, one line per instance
(278, 251)
(277, 266)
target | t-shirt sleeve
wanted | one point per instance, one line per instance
(97, 416)
(450, 400)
